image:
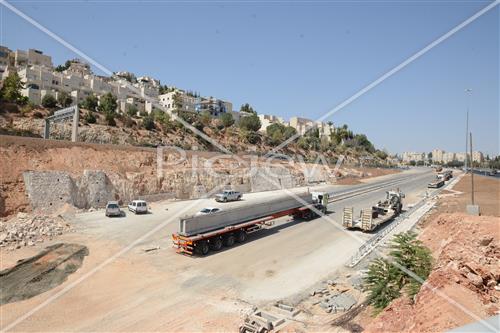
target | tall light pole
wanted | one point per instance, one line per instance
(468, 92)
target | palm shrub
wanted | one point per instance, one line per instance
(386, 278)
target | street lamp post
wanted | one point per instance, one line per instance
(468, 92)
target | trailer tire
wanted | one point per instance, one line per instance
(229, 240)
(241, 237)
(216, 243)
(202, 248)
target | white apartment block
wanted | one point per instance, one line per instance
(213, 105)
(32, 57)
(447, 157)
(267, 120)
(477, 156)
(413, 156)
(438, 155)
(303, 124)
(5, 57)
(186, 102)
(460, 157)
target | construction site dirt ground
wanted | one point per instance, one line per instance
(129, 289)
(457, 241)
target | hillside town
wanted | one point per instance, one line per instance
(439, 156)
(142, 94)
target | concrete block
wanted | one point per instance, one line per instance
(473, 210)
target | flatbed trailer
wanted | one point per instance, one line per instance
(371, 218)
(214, 240)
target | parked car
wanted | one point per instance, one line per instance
(113, 209)
(208, 210)
(228, 195)
(138, 207)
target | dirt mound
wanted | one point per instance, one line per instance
(46, 270)
(466, 271)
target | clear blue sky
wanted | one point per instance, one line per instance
(298, 58)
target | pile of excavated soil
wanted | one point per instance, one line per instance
(466, 276)
(40, 273)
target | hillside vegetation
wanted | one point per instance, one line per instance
(100, 123)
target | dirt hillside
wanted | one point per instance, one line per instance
(466, 274)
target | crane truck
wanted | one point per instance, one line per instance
(369, 219)
(205, 233)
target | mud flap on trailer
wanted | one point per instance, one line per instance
(182, 245)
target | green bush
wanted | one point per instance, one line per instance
(49, 101)
(132, 110)
(227, 120)
(90, 118)
(148, 123)
(90, 102)
(250, 123)
(64, 99)
(385, 278)
(108, 103)
(110, 118)
(11, 89)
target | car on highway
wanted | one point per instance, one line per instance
(113, 209)
(208, 210)
(228, 195)
(138, 207)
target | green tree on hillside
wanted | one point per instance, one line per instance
(11, 89)
(250, 123)
(64, 99)
(49, 101)
(227, 120)
(90, 102)
(108, 103)
(247, 108)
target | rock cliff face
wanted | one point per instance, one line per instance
(45, 175)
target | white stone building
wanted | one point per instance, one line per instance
(267, 120)
(438, 155)
(32, 57)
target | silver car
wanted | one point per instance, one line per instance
(113, 209)
(228, 195)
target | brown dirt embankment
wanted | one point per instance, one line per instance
(133, 170)
(466, 250)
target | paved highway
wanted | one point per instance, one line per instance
(162, 290)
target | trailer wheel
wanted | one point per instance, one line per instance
(229, 240)
(216, 243)
(241, 236)
(202, 248)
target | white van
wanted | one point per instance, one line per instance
(138, 206)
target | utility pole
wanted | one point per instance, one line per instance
(468, 92)
(471, 171)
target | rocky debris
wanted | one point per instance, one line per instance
(333, 298)
(338, 302)
(465, 269)
(28, 230)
